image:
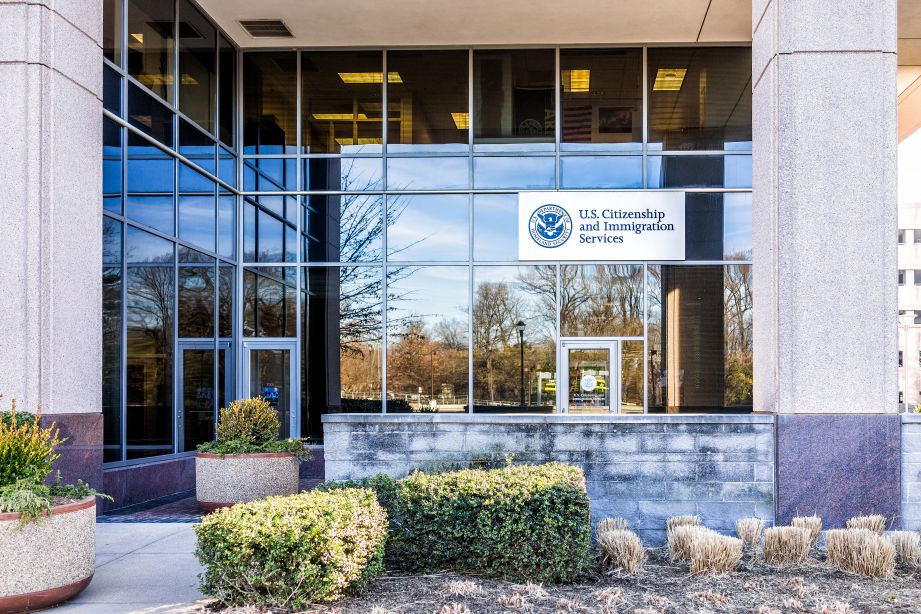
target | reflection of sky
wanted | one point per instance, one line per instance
(431, 294)
(737, 223)
(144, 247)
(514, 173)
(602, 171)
(427, 173)
(495, 227)
(153, 211)
(191, 181)
(540, 324)
(196, 220)
(429, 228)
(150, 174)
(738, 172)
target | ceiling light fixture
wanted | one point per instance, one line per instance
(139, 37)
(576, 79)
(353, 78)
(461, 120)
(669, 79)
(338, 116)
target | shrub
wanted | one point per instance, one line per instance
(749, 530)
(290, 551)
(26, 449)
(907, 546)
(873, 522)
(612, 524)
(860, 551)
(786, 545)
(812, 523)
(715, 553)
(621, 549)
(680, 521)
(525, 522)
(252, 420)
(681, 540)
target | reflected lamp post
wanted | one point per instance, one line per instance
(520, 325)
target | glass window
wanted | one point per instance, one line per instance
(718, 226)
(427, 336)
(428, 173)
(601, 300)
(266, 238)
(343, 174)
(901, 277)
(157, 212)
(733, 171)
(518, 173)
(341, 333)
(901, 237)
(150, 170)
(149, 116)
(917, 236)
(700, 338)
(111, 339)
(197, 66)
(270, 175)
(917, 275)
(227, 167)
(111, 91)
(151, 24)
(341, 101)
(269, 309)
(111, 166)
(428, 103)
(269, 100)
(599, 172)
(112, 31)
(196, 298)
(144, 248)
(227, 93)
(226, 225)
(428, 227)
(191, 180)
(513, 97)
(196, 220)
(602, 99)
(225, 299)
(197, 146)
(343, 228)
(514, 339)
(495, 227)
(700, 98)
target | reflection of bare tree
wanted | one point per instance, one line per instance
(738, 327)
(495, 312)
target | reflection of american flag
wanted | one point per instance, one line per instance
(577, 124)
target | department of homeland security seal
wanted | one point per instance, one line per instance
(550, 225)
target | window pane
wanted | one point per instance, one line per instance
(699, 171)
(111, 91)
(597, 172)
(111, 166)
(227, 215)
(149, 169)
(196, 301)
(227, 95)
(344, 228)
(111, 339)
(269, 99)
(270, 175)
(343, 174)
(197, 147)
(266, 237)
(149, 116)
(150, 45)
(197, 397)
(225, 300)
(269, 309)
(513, 97)
(428, 104)
(601, 300)
(196, 220)
(158, 212)
(700, 98)
(112, 31)
(428, 227)
(718, 226)
(149, 384)
(341, 333)
(500, 173)
(428, 173)
(602, 98)
(227, 167)
(631, 377)
(503, 297)
(197, 66)
(427, 336)
(342, 101)
(144, 248)
(495, 227)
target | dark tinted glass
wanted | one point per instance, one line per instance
(718, 226)
(700, 98)
(269, 308)
(270, 175)
(198, 388)
(111, 166)
(731, 171)
(513, 97)
(151, 25)
(112, 30)
(149, 116)
(427, 102)
(602, 98)
(197, 66)
(269, 100)
(111, 339)
(111, 91)
(196, 301)
(341, 101)
(227, 96)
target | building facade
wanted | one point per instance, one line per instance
(359, 224)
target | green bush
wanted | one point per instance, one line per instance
(26, 449)
(251, 420)
(291, 551)
(522, 523)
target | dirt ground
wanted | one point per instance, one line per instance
(662, 588)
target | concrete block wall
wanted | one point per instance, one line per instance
(643, 468)
(911, 472)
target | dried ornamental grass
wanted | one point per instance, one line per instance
(621, 550)
(873, 522)
(613, 524)
(907, 546)
(813, 523)
(680, 540)
(861, 551)
(715, 553)
(749, 530)
(786, 545)
(681, 521)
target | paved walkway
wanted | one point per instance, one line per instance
(141, 568)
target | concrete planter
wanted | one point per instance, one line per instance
(222, 480)
(49, 560)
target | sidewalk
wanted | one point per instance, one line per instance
(141, 568)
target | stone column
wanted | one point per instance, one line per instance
(50, 252)
(824, 218)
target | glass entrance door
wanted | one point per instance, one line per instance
(591, 377)
(269, 372)
(199, 396)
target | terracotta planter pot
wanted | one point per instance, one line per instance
(49, 560)
(222, 480)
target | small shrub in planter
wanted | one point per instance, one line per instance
(247, 461)
(291, 551)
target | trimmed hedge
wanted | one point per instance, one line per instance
(291, 551)
(522, 523)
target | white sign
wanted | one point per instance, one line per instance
(601, 226)
(588, 383)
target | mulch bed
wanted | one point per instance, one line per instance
(662, 588)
